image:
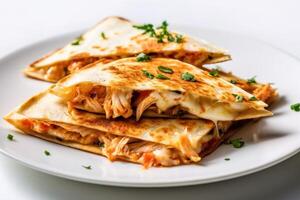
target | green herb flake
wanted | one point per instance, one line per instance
(10, 137)
(160, 38)
(77, 41)
(148, 74)
(103, 36)
(214, 72)
(238, 98)
(161, 76)
(47, 153)
(165, 69)
(253, 98)
(296, 107)
(227, 159)
(237, 143)
(160, 33)
(188, 77)
(143, 57)
(171, 38)
(87, 167)
(251, 80)
(233, 81)
(178, 38)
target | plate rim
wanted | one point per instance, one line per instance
(148, 184)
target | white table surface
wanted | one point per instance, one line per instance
(25, 22)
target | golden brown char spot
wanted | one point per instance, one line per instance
(131, 74)
(121, 50)
(81, 55)
(148, 44)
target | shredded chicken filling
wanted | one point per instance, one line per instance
(117, 147)
(116, 102)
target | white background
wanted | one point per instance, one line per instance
(26, 22)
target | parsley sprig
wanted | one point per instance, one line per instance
(147, 28)
(188, 77)
(10, 137)
(236, 143)
(165, 69)
(233, 81)
(142, 57)
(252, 80)
(47, 153)
(214, 72)
(253, 98)
(148, 74)
(238, 98)
(296, 107)
(89, 167)
(161, 76)
(77, 41)
(161, 33)
(103, 36)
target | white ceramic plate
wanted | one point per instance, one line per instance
(268, 141)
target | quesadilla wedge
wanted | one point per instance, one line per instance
(151, 142)
(115, 38)
(156, 88)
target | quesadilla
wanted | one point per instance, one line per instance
(156, 88)
(151, 142)
(115, 38)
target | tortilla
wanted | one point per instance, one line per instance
(126, 87)
(151, 142)
(116, 37)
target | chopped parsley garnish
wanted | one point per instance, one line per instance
(143, 57)
(77, 41)
(214, 72)
(165, 69)
(87, 167)
(227, 159)
(253, 98)
(148, 74)
(47, 153)
(161, 76)
(237, 143)
(148, 28)
(171, 38)
(10, 137)
(233, 81)
(251, 80)
(296, 107)
(238, 98)
(103, 36)
(188, 77)
(178, 38)
(164, 33)
(160, 33)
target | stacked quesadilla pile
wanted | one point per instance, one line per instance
(139, 93)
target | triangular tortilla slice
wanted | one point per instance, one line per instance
(116, 37)
(126, 87)
(151, 142)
